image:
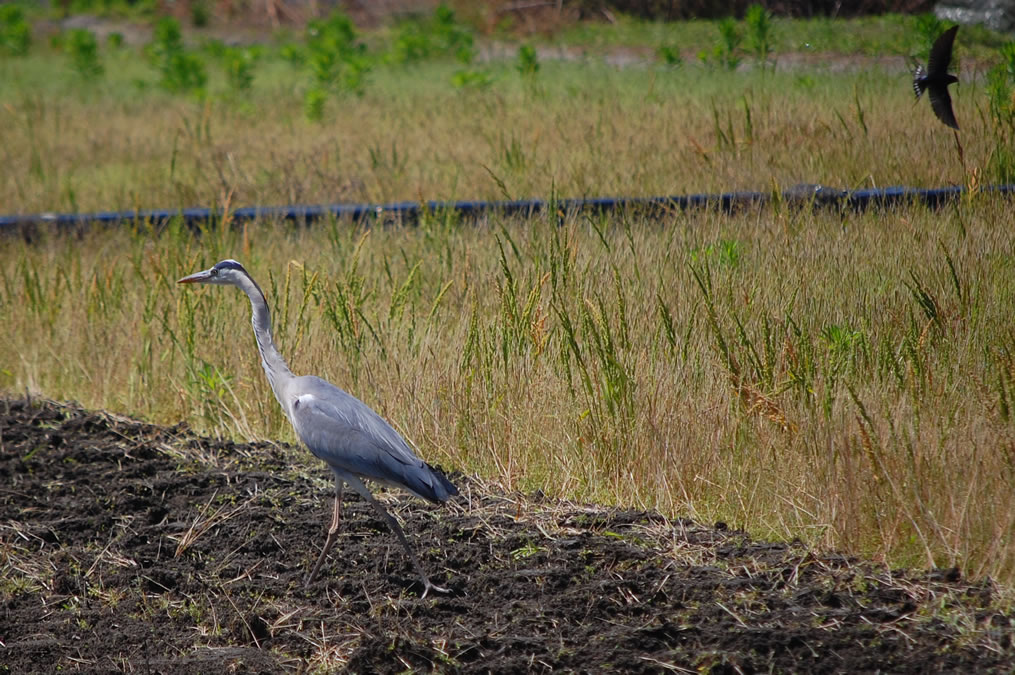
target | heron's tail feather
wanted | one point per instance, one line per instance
(442, 487)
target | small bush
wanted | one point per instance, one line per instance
(726, 52)
(1001, 95)
(181, 71)
(80, 44)
(335, 58)
(313, 103)
(669, 55)
(760, 40)
(239, 66)
(15, 33)
(293, 54)
(528, 61)
(437, 35)
(471, 79)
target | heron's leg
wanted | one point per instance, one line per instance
(397, 529)
(332, 531)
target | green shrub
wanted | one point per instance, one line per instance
(294, 54)
(760, 40)
(468, 78)
(239, 66)
(726, 52)
(669, 55)
(313, 103)
(83, 50)
(1000, 92)
(336, 60)
(15, 33)
(528, 61)
(180, 70)
(437, 35)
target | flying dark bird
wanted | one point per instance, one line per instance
(937, 78)
(337, 427)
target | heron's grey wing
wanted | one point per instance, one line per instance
(941, 52)
(941, 102)
(344, 432)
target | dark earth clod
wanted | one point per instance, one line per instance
(127, 547)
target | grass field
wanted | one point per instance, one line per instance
(842, 378)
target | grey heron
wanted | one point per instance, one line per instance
(337, 427)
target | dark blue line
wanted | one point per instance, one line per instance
(410, 211)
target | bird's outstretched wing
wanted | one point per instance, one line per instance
(941, 53)
(348, 435)
(941, 102)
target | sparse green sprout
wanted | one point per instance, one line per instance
(471, 79)
(294, 54)
(239, 66)
(410, 44)
(313, 103)
(181, 71)
(759, 32)
(1000, 90)
(437, 35)
(726, 51)
(528, 61)
(114, 40)
(670, 55)
(1000, 79)
(15, 33)
(337, 61)
(452, 36)
(84, 53)
(727, 252)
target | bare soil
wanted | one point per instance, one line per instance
(136, 548)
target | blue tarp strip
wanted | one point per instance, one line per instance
(802, 194)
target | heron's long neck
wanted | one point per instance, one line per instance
(274, 365)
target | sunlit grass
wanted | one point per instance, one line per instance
(871, 36)
(583, 129)
(845, 378)
(787, 371)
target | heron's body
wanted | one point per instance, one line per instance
(336, 426)
(353, 439)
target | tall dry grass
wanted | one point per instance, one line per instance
(582, 129)
(844, 378)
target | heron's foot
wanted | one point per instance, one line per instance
(427, 587)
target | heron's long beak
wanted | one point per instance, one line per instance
(197, 278)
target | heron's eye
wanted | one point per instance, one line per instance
(214, 271)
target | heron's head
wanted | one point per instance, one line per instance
(228, 272)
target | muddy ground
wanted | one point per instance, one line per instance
(135, 548)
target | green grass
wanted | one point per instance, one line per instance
(845, 378)
(785, 371)
(885, 35)
(582, 129)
